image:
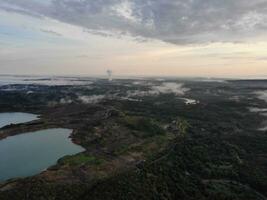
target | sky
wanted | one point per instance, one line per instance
(187, 38)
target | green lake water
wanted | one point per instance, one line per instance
(31, 153)
(15, 118)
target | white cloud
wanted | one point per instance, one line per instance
(251, 21)
(125, 9)
(179, 21)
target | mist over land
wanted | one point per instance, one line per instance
(201, 138)
(133, 100)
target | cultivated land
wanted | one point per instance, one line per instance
(143, 140)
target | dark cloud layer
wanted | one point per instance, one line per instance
(174, 21)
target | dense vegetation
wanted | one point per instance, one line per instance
(145, 125)
(212, 150)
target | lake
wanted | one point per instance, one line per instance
(15, 118)
(31, 153)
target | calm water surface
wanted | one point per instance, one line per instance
(16, 118)
(29, 154)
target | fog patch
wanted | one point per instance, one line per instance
(262, 112)
(190, 101)
(165, 88)
(263, 129)
(160, 79)
(143, 83)
(175, 88)
(254, 109)
(130, 99)
(87, 87)
(262, 95)
(235, 98)
(91, 99)
(210, 80)
(141, 93)
(65, 101)
(137, 83)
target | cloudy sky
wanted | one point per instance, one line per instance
(214, 38)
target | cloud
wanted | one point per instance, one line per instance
(173, 21)
(51, 32)
(17, 9)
